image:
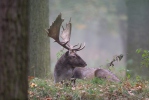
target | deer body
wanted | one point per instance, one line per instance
(89, 73)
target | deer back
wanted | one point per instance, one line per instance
(89, 73)
(84, 73)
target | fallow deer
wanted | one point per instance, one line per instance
(69, 60)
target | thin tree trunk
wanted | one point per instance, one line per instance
(39, 48)
(13, 49)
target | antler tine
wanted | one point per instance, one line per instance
(80, 47)
(75, 45)
(71, 47)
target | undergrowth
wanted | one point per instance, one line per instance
(95, 89)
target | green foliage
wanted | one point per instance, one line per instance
(128, 75)
(138, 78)
(98, 81)
(145, 57)
(60, 53)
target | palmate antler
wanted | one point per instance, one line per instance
(54, 31)
(66, 33)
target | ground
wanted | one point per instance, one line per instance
(95, 89)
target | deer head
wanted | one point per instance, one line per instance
(68, 61)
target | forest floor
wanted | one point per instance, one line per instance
(95, 89)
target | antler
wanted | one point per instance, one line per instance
(66, 33)
(79, 48)
(54, 31)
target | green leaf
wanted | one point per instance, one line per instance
(145, 51)
(138, 50)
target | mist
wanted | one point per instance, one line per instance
(101, 24)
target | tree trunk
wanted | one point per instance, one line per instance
(39, 42)
(13, 49)
(138, 35)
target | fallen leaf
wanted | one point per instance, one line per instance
(33, 85)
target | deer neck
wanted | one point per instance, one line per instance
(63, 63)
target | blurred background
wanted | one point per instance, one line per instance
(101, 24)
(108, 28)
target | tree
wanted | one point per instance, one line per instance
(39, 43)
(138, 35)
(13, 49)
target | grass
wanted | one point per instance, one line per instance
(95, 89)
